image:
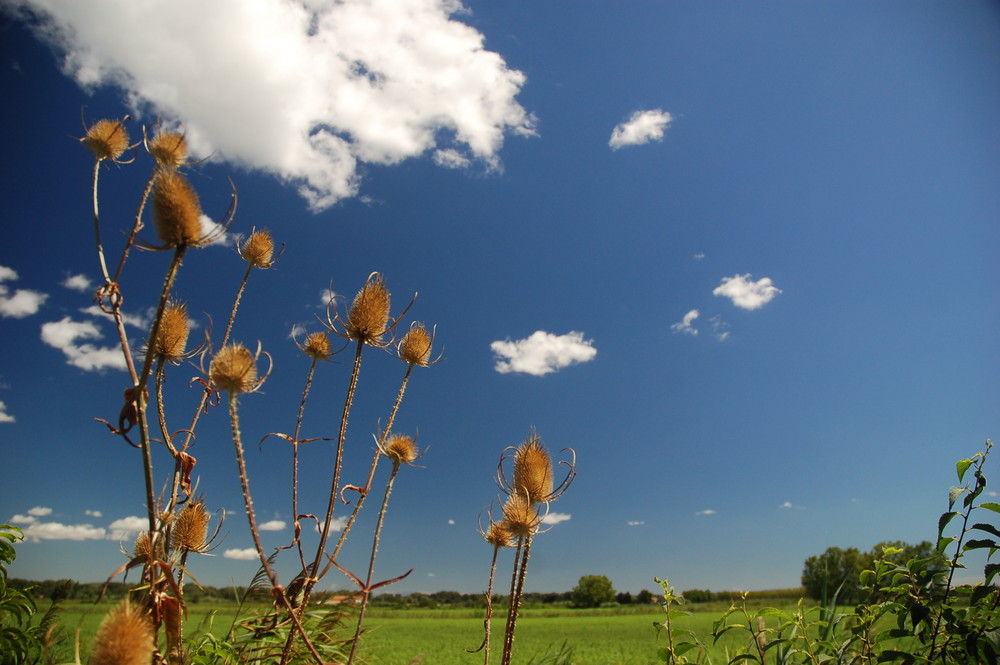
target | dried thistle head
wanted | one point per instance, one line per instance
(415, 347)
(258, 249)
(368, 317)
(533, 470)
(141, 546)
(190, 529)
(317, 346)
(125, 637)
(520, 516)
(168, 148)
(176, 210)
(172, 335)
(401, 449)
(234, 369)
(107, 139)
(498, 534)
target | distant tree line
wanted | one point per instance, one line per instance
(59, 590)
(838, 571)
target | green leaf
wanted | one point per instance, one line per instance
(683, 647)
(953, 495)
(961, 467)
(980, 544)
(943, 543)
(988, 528)
(945, 519)
(744, 656)
(990, 571)
(990, 505)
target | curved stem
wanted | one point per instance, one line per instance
(236, 304)
(295, 455)
(136, 225)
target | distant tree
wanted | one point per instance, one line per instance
(592, 590)
(841, 569)
(698, 595)
(624, 598)
(644, 597)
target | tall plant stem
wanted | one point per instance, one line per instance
(136, 225)
(367, 591)
(515, 600)
(295, 455)
(236, 304)
(371, 471)
(335, 483)
(97, 224)
(255, 532)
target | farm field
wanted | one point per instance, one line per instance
(614, 636)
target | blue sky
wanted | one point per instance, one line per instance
(740, 256)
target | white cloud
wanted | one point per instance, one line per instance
(451, 159)
(40, 511)
(303, 90)
(787, 504)
(214, 232)
(542, 353)
(699, 256)
(39, 531)
(326, 297)
(337, 524)
(23, 302)
(248, 554)
(127, 527)
(273, 525)
(685, 325)
(719, 328)
(298, 330)
(556, 518)
(705, 512)
(746, 293)
(93, 513)
(64, 335)
(140, 321)
(451, 522)
(4, 416)
(641, 127)
(79, 283)
(23, 519)
(635, 523)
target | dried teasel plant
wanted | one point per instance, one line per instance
(125, 637)
(108, 139)
(533, 474)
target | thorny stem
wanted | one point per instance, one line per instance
(295, 454)
(252, 519)
(137, 225)
(236, 304)
(97, 225)
(336, 471)
(367, 591)
(489, 610)
(515, 600)
(371, 471)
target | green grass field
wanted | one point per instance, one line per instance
(616, 636)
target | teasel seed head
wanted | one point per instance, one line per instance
(401, 448)
(107, 139)
(190, 529)
(369, 314)
(258, 249)
(176, 210)
(520, 516)
(169, 149)
(141, 546)
(234, 369)
(533, 470)
(498, 535)
(172, 336)
(317, 346)
(415, 347)
(125, 637)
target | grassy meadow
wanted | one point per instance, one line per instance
(608, 636)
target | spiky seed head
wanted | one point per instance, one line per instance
(141, 546)
(258, 250)
(317, 346)
(176, 210)
(498, 535)
(533, 470)
(169, 149)
(369, 314)
(520, 516)
(415, 347)
(234, 369)
(107, 139)
(401, 448)
(172, 336)
(125, 637)
(190, 529)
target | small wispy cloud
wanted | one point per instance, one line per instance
(20, 304)
(556, 518)
(641, 127)
(326, 297)
(4, 416)
(22, 519)
(787, 504)
(66, 335)
(451, 522)
(686, 325)
(93, 513)
(140, 321)
(246, 554)
(708, 511)
(79, 283)
(635, 523)
(746, 293)
(699, 256)
(719, 328)
(127, 527)
(542, 353)
(40, 511)
(273, 525)
(39, 531)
